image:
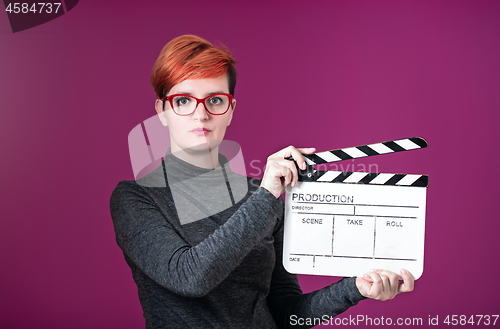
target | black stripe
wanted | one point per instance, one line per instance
(366, 149)
(393, 146)
(394, 179)
(317, 174)
(314, 158)
(368, 178)
(342, 177)
(423, 181)
(419, 141)
(341, 154)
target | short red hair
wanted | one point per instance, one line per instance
(189, 56)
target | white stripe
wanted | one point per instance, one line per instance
(381, 178)
(355, 177)
(380, 148)
(309, 162)
(328, 156)
(329, 176)
(408, 180)
(407, 144)
(354, 152)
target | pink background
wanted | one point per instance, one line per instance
(327, 74)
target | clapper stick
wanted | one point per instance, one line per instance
(399, 145)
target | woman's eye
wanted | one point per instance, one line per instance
(215, 100)
(182, 101)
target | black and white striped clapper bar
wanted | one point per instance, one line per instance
(345, 223)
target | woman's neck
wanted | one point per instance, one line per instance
(206, 158)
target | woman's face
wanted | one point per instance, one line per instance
(200, 131)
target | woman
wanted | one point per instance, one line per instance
(223, 268)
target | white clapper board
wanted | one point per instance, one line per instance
(346, 223)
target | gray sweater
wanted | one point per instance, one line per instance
(221, 271)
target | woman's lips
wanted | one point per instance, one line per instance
(200, 131)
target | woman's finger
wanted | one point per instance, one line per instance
(296, 154)
(367, 278)
(287, 175)
(293, 169)
(280, 171)
(377, 284)
(306, 150)
(276, 177)
(393, 282)
(386, 285)
(408, 282)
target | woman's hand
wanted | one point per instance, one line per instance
(280, 172)
(384, 285)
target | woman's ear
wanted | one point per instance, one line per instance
(233, 106)
(161, 113)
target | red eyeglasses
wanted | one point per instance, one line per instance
(216, 104)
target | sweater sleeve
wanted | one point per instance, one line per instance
(152, 243)
(287, 302)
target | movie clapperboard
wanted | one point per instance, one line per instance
(345, 223)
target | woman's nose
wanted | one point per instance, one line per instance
(200, 112)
